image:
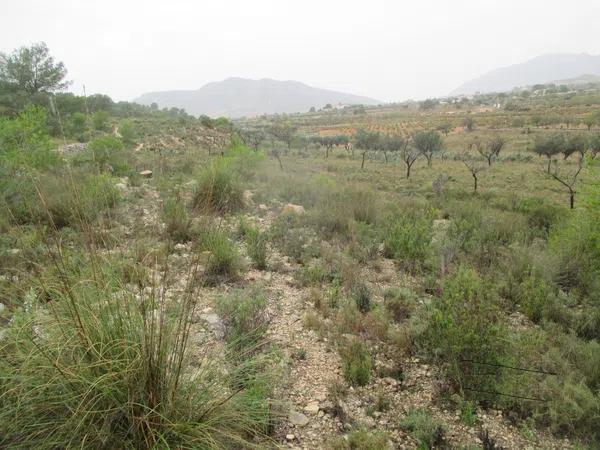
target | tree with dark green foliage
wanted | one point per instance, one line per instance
(33, 69)
(366, 140)
(428, 143)
(549, 146)
(285, 132)
(575, 143)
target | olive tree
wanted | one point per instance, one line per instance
(428, 143)
(549, 146)
(568, 180)
(409, 154)
(474, 167)
(365, 141)
(575, 143)
(284, 132)
(491, 149)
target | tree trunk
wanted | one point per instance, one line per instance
(408, 171)
(280, 164)
(549, 161)
(362, 164)
(326, 152)
(385, 156)
(474, 182)
(429, 162)
(572, 198)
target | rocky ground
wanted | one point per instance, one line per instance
(313, 415)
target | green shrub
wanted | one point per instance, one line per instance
(357, 362)
(408, 239)
(244, 315)
(361, 440)
(429, 432)
(101, 368)
(256, 246)
(400, 302)
(128, 132)
(362, 297)
(106, 154)
(63, 199)
(100, 120)
(223, 258)
(465, 328)
(24, 141)
(218, 189)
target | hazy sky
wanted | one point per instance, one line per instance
(390, 50)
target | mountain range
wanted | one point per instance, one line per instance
(542, 69)
(239, 97)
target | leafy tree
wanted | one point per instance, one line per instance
(469, 123)
(569, 181)
(284, 132)
(24, 140)
(409, 155)
(445, 128)
(128, 132)
(33, 70)
(594, 144)
(253, 138)
(366, 140)
(78, 125)
(575, 143)
(549, 146)
(428, 143)
(100, 120)
(429, 103)
(473, 167)
(391, 144)
(491, 149)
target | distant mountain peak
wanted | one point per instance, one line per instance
(541, 69)
(238, 97)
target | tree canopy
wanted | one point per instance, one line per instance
(33, 69)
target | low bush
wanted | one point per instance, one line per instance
(429, 432)
(223, 259)
(464, 329)
(256, 247)
(177, 220)
(407, 239)
(218, 189)
(244, 316)
(357, 362)
(400, 302)
(361, 440)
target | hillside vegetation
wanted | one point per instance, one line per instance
(420, 275)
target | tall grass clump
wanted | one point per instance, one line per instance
(357, 362)
(223, 259)
(256, 246)
(98, 367)
(219, 189)
(177, 220)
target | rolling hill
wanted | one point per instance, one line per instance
(239, 97)
(542, 69)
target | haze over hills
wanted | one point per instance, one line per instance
(541, 69)
(238, 97)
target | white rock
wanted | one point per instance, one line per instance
(290, 437)
(312, 408)
(290, 208)
(298, 419)
(146, 173)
